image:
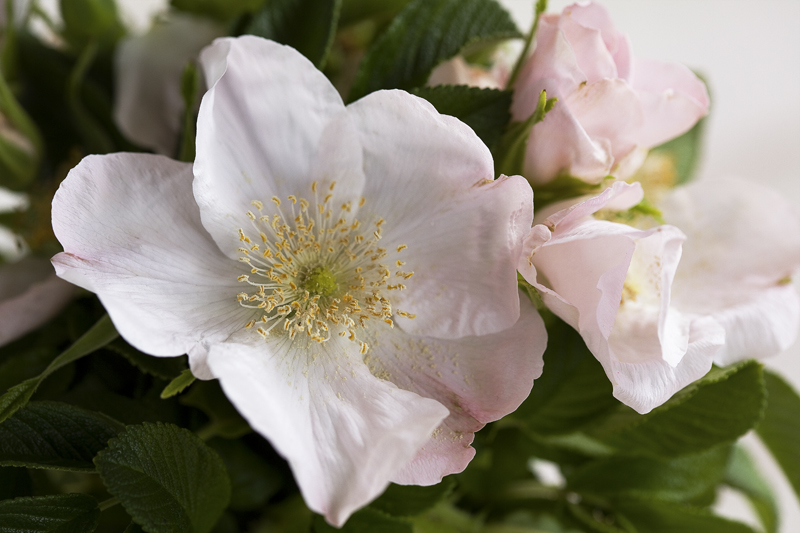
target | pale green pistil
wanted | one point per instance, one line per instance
(320, 281)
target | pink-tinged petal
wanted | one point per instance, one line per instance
(608, 109)
(673, 99)
(260, 133)
(646, 383)
(30, 295)
(762, 325)
(132, 234)
(593, 57)
(739, 234)
(148, 106)
(464, 231)
(479, 379)
(595, 16)
(344, 432)
(559, 145)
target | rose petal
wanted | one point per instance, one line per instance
(479, 379)
(594, 59)
(131, 233)
(344, 432)
(260, 130)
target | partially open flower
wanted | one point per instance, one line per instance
(347, 273)
(611, 107)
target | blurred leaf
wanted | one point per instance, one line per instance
(366, 520)
(190, 84)
(358, 10)
(24, 365)
(424, 34)
(65, 513)
(780, 429)
(308, 26)
(165, 368)
(55, 435)
(253, 480)
(714, 410)
(91, 131)
(483, 110)
(225, 419)
(677, 479)
(98, 336)
(744, 476)
(572, 392)
(166, 478)
(14, 482)
(684, 152)
(409, 500)
(88, 21)
(177, 385)
(650, 516)
(20, 142)
(223, 10)
(289, 516)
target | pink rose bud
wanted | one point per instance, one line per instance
(611, 107)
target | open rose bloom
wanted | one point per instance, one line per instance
(347, 273)
(611, 107)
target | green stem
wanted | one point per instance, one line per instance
(541, 6)
(111, 502)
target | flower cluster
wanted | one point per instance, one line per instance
(365, 287)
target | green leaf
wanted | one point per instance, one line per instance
(509, 154)
(91, 21)
(668, 517)
(483, 110)
(780, 429)
(572, 392)
(678, 479)
(365, 521)
(409, 500)
(20, 142)
(177, 385)
(684, 152)
(253, 480)
(308, 26)
(223, 10)
(744, 476)
(422, 35)
(225, 419)
(65, 513)
(714, 410)
(165, 368)
(166, 478)
(98, 336)
(55, 435)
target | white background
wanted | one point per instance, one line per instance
(750, 53)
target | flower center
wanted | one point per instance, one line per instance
(318, 271)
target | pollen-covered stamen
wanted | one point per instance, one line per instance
(316, 270)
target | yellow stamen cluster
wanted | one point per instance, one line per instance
(317, 270)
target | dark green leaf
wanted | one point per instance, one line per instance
(677, 479)
(365, 521)
(55, 435)
(91, 21)
(166, 478)
(24, 366)
(409, 500)
(483, 110)
(98, 336)
(177, 385)
(225, 419)
(714, 410)
(780, 429)
(667, 517)
(253, 480)
(572, 392)
(14, 482)
(744, 476)
(65, 513)
(309, 26)
(165, 368)
(425, 33)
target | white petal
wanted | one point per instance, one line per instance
(148, 105)
(344, 432)
(463, 230)
(30, 295)
(479, 379)
(131, 233)
(260, 130)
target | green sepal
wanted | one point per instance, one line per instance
(509, 154)
(424, 34)
(179, 384)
